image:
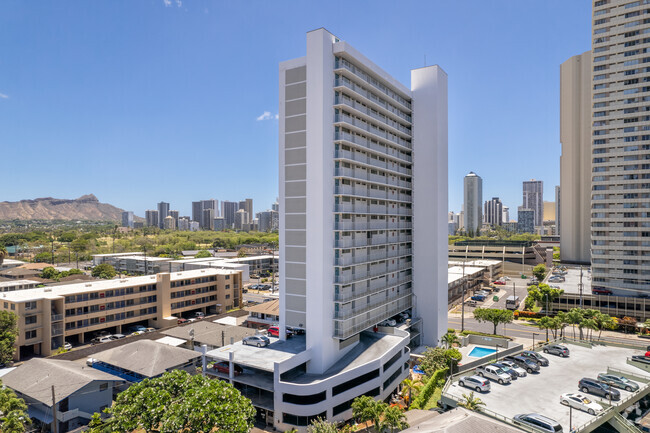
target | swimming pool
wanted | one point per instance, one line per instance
(479, 352)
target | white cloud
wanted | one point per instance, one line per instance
(267, 116)
(168, 3)
(3, 96)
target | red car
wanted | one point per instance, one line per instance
(600, 291)
(222, 367)
(499, 283)
(274, 331)
(181, 321)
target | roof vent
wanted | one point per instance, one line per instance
(89, 285)
(48, 289)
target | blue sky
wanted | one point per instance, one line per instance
(139, 101)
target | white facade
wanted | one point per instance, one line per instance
(473, 202)
(349, 206)
(533, 198)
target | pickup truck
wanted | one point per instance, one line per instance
(493, 372)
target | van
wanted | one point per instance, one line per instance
(512, 302)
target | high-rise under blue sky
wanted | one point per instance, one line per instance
(175, 100)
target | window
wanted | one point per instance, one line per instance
(30, 334)
(30, 320)
(103, 386)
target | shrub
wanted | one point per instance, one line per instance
(436, 380)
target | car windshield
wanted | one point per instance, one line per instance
(585, 400)
(499, 371)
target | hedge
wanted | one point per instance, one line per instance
(429, 389)
(483, 334)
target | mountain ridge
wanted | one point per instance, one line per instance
(87, 207)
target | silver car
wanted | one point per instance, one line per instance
(539, 422)
(256, 340)
(477, 383)
(520, 371)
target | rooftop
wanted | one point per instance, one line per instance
(11, 283)
(54, 292)
(36, 377)
(457, 420)
(210, 333)
(146, 357)
(271, 307)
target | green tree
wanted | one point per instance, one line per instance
(495, 316)
(539, 271)
(203, 254)
(410, 390)
(177, 402)
(450, 338)
(3, 253)
(363, 409)
(13, 412)
(241, 253)
(470, 402)
(8, 335)
(548, 295)
(322, 426)
(50, 273)
(104, 271)
(574, 317)
(433, 359)
(393, 419)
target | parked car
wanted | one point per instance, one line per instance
(539, 422)
(90, 362)
(618, 382)
(534, 356)
(118, 336)
(641, 358)
(244, 290)
(499, 283)
(98, 340)
(477, 383)
(223, 367)
(274, 331)
(521, 372)
(254, 287)
(479, 298)
(556, 349)
(600, 291)
(593, 386)
(256, 340)
(295, 330)
(494, 373)
(513, 374)
(181, 320)
(388, 322)
(199, 315)
(526, 363)
(67, 346)
(136, 328)
(580, 402)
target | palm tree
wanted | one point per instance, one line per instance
(562, 320)
(470, 402)
(3, 253)
(410, 387)
(450, 339)
(574, 317)
(394, 419)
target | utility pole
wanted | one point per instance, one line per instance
(580, 286)
(55, 422)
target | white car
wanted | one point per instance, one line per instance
(67, 346)
(388, 322)
(581, 402)
(90, 361)
(517, 369)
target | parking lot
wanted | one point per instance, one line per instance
(540, 392)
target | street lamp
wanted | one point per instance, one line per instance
(534, 334)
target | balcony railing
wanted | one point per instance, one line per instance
(346, 314)
(346, 296)
(57, 317)
(341, 98)
(57, 330)
(391, 138)
(372, 97)
(343, 328)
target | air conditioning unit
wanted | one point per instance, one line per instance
(102, 319)
(101, 307)
(101, 294)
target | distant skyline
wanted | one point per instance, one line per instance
(159, 100)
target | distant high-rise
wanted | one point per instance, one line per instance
(197, 211)
(557, 210)
(575, 162)
(208, 219)
(265, 220)
(163, 212)
(505, 215)
(219, 224)
(228, 209)
(473, 202)
(241, 219)
(493, 212)
(151, 217)
(127, 219)
(174, 214)
(533, 198)
(247, 205)
(211, 204)
(183, 223)
(275, 206)
(169, 223)
(525, 220)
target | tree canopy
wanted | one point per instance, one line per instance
(104, 271)
(203, 254)
(494, 315)
(437, 358)
(539, 271)
(8, 335)
(13, 412)
(179, 402)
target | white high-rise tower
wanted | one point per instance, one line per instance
(363, 224)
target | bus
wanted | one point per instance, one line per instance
(512, 302)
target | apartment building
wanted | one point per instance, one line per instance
(348, 259)
(49, 316)
(472, 201)
(127, 219)
(163, 212)
(533, 198)
(152, 218)
(493, 212)
(620, 195)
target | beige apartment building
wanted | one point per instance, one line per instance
(575, 162)
(50, 316)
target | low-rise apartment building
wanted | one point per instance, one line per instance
(50, 316)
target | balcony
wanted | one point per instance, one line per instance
(345, 82)
(342, 99)
(57, 317)
(345, 328)
(367, 144)
(359, 242)
(346, 314)
(366, 127)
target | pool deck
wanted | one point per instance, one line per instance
(465, 351)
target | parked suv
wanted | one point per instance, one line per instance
(536, 357)
(520, 371)
(476, 383)
(526, 363)
(596, 387)
(539, 422)
(513, 374)
(618, 382)
(556, 349)
(494, 373)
